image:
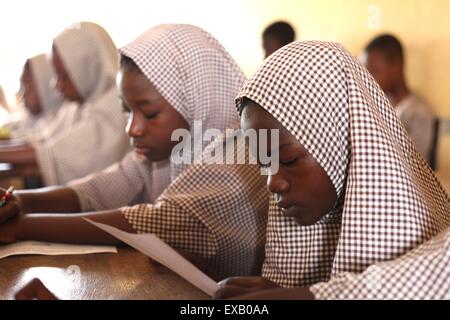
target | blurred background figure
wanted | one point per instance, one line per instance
(40, 101)
(384, 58)
(277, 35)
(3, 102)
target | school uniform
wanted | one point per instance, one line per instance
(389, 200)
(217, 212)
(418, 119)
(421, 274)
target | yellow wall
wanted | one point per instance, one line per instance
(423, 27)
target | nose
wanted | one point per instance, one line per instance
(59, 85)
(135, 126)
(277, 184)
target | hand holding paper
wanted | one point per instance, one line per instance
(155, 248)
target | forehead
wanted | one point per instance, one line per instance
(132, 81)
(255, 117)
(375, 56)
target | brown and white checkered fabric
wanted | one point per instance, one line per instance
(192, 71)
(217, 212)
(423, 273)
(389, 199)
(199, 78)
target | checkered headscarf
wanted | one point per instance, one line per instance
(389, 199)
(193, 72)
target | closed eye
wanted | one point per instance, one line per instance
(151, 115)
(289, 163)
(125, 109)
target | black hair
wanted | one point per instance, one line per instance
(281, 31)
(387, 44)
(128, 63)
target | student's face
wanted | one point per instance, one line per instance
(301, 187)
(63, 82)
(270, 45)
(381, 69)
(29, 92)
(151, 118)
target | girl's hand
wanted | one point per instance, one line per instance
(35, 290)
(10, 210)
(9, 231)
(236, 286)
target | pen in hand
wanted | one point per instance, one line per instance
(6, 196)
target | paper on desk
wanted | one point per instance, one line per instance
(51, 249)
(153, 247)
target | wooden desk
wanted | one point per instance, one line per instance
(125, 275)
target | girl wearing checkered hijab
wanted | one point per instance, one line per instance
(88, 134)
(351, 189)
(191, 72)
(171, 76)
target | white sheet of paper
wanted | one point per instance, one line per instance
(153, 247)
(51, 249)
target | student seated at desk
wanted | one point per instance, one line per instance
(89, 134)
(351, 190)
(41, 101)
(217, 212)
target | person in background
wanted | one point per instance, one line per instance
(277, 35)
(385, 60)
(41, 101)
(3, 102)
(89, 133)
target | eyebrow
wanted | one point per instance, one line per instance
(140, 102)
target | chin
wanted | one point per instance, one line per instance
(305, 219)
(304, 222)
(154, 157)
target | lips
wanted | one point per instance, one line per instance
(141, 149)
(283, 206)
(287, 209)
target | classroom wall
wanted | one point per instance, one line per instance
(422, 26)
(27, 27)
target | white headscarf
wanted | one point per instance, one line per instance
(90, 137)
(43, 74)
(389, 199)
(50, 100)
(194, 73)
(90, 57)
